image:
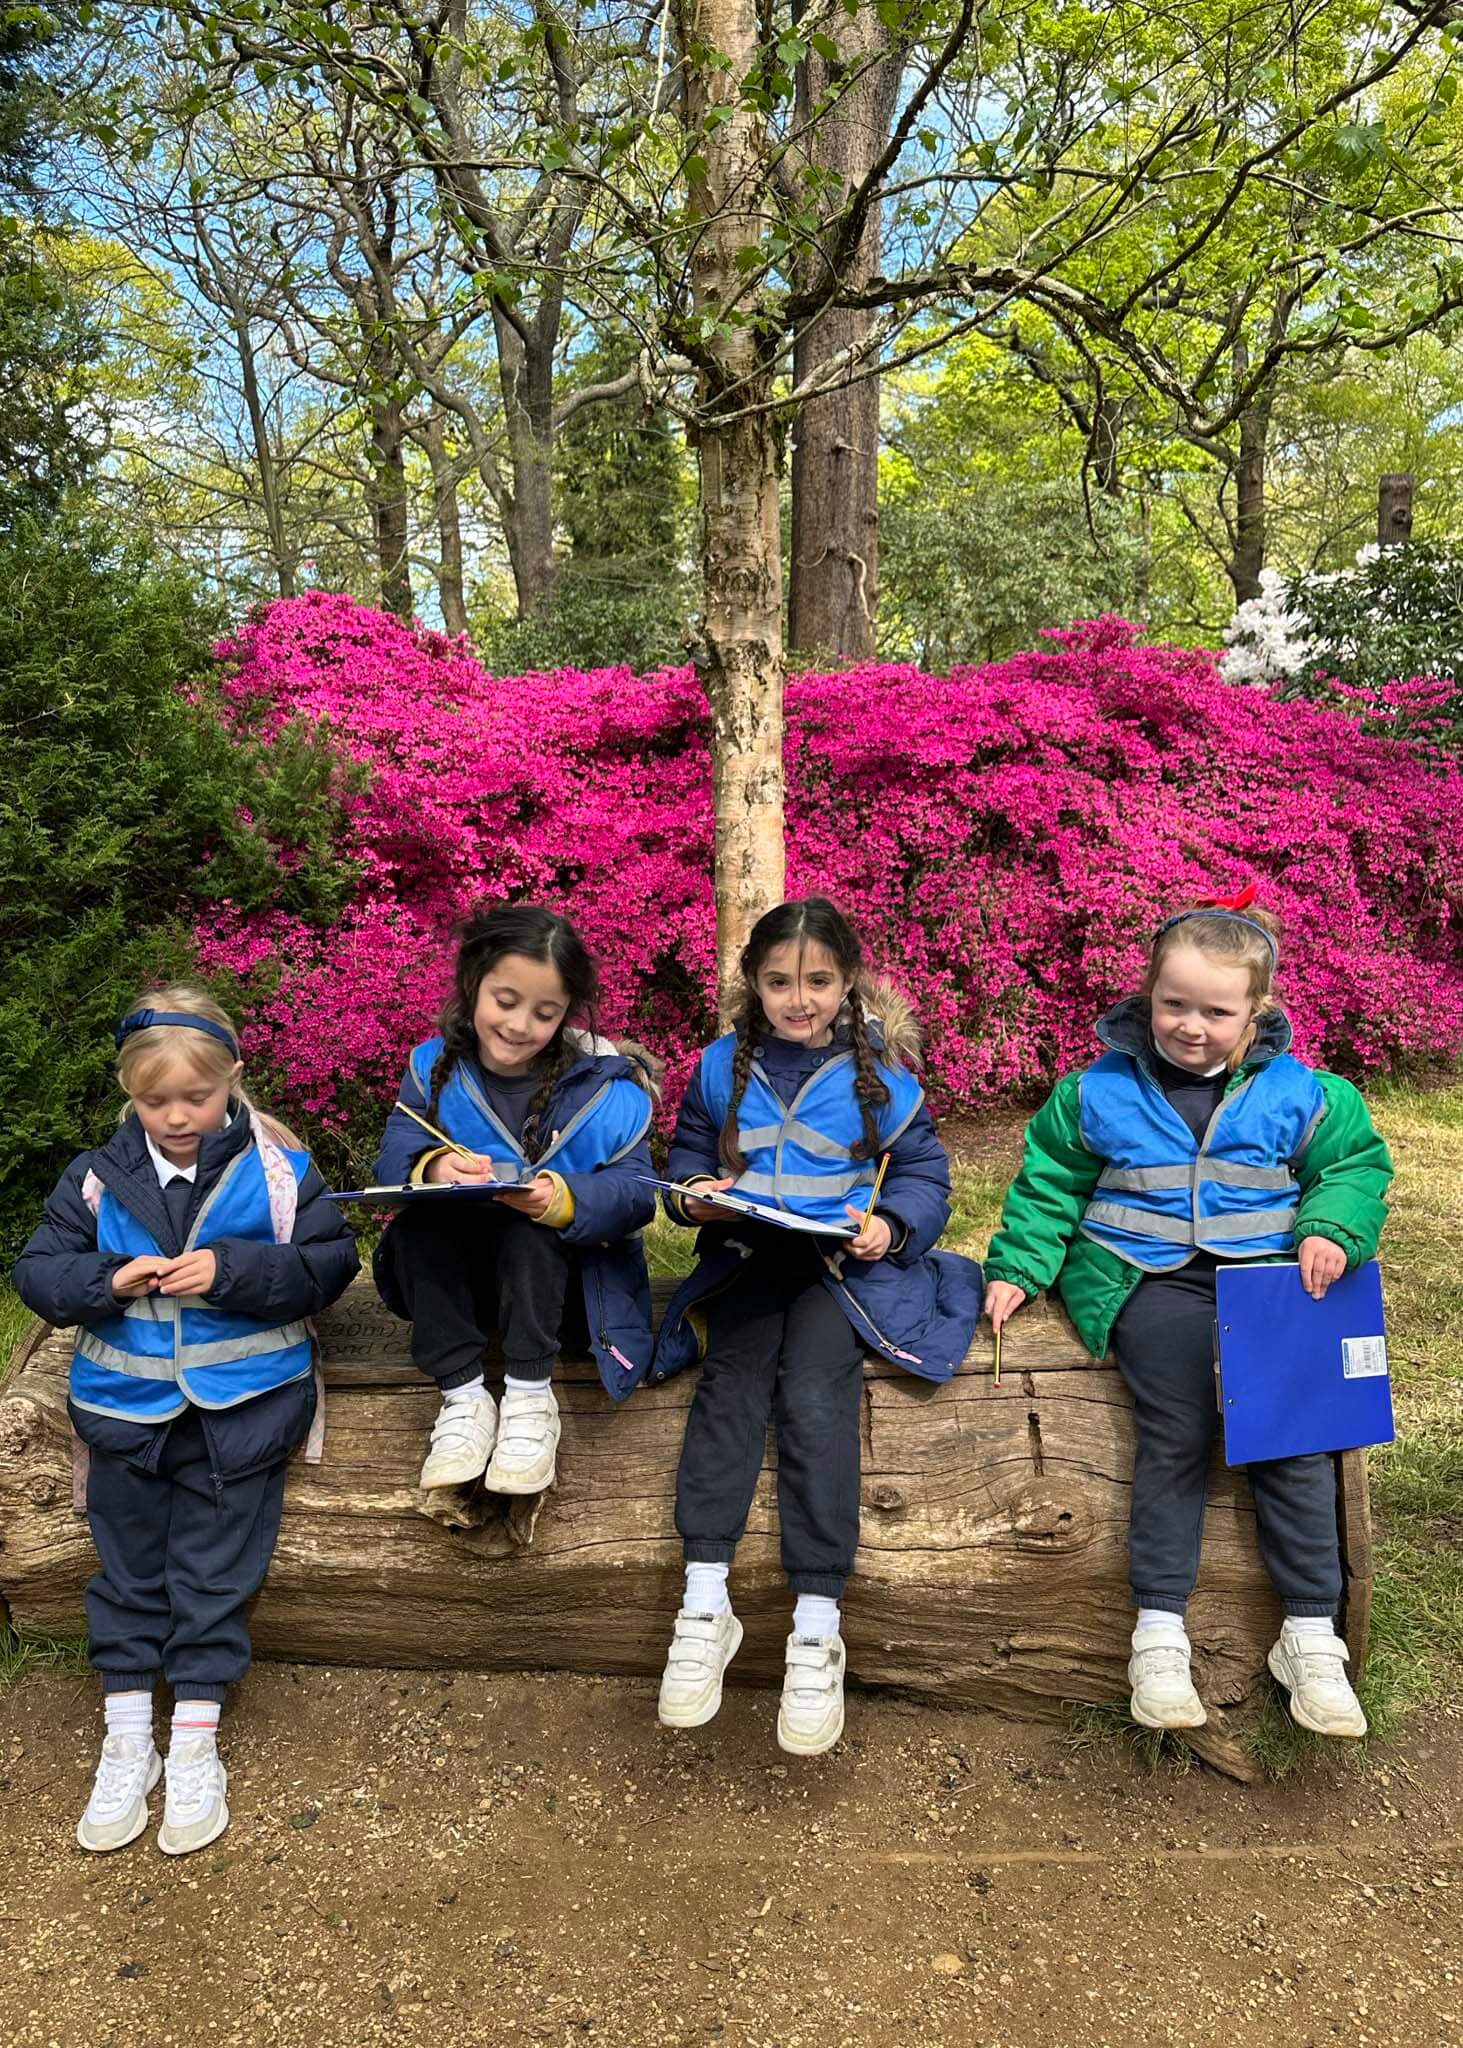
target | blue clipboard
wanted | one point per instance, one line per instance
(1297, 1375)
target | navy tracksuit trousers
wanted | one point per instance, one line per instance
(460, 1274)
(184, 1546)
(1164, 1340)
(778, 1347)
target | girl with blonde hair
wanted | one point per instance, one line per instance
(189, 1250)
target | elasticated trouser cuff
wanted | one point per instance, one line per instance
(129, 1681)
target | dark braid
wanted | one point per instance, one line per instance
(484, 937)
(749, 1033)
(557, 1057)
(869, 1084)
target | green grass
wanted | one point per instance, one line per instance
(26, 1650)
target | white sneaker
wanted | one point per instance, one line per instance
(194, 1810)
(1163, 1690)
(462, 1440)
(116, 1812)
(810, 1718)
(702, 1646)
(528, 1437)
(1312, 1668)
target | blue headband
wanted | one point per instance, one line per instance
(143, 1020)
(1231, 916)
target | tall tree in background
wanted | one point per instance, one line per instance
(847, 91)
(1086, 166)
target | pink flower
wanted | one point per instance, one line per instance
(1006, 839)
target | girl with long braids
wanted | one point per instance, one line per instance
(794, 1108)
(519, 1079)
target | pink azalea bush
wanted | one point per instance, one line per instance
(1006, 838)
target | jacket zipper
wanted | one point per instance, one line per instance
(893, 1350)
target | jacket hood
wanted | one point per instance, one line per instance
(1127, 1028)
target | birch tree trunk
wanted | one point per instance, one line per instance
(740, 457)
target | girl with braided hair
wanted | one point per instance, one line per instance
(1197, 1137)
(518, 1078)
(794, 1108)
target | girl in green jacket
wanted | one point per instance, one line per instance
(1198, 1138)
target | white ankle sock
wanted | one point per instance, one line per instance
(815, 1615)
(1160, 1618)
(129, 1713)
(511, 1385)
(706, 1589)
(195, 1719)
(451, 1394)
(1309, 1625)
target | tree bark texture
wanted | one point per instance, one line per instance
(388, 503)
(1248, 557)
(1394, 508)
(991, 1570)
(740, 459)
(525, 378)
(834, 579)
(449, 526)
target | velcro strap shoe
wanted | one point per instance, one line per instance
(523, 1460)
(810, 1718)
(1312, 1668)
(702, 1645)
(462, 1440)
(1163, 1687)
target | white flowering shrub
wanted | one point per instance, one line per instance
(1266, 641)
(1385, 639)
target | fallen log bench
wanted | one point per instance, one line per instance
(991, 1570)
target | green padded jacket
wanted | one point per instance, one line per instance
(1344, 1174)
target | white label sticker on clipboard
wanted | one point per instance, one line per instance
(1364, 1358)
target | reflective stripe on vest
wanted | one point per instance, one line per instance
(1162, 1196)
(159, 1353)
(799, 1157)
(608, 1127)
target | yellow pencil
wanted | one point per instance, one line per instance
(874, 1191)
(441, 1136)
(997, 1380)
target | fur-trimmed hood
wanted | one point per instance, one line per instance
(893, 1021)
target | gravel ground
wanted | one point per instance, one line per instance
(461, 1859)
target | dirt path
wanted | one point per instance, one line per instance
(456, 1860)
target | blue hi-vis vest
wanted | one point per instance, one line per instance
(799, 1155)
(1162, 1196)
(612, 1122)
(158, 1353)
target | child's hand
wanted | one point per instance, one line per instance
(874, 1238)
(704, 1212)
(193, 1273)
(1321, 1262)
(458, 1168)
(534, 1199)
(1002, 1299)
(137, 1277)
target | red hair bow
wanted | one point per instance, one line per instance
(1242, 901)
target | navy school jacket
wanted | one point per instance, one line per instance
(611, 1204)
(916, 1306)
(63, 1277)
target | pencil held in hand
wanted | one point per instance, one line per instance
(874, 1192)
(473, 1158)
